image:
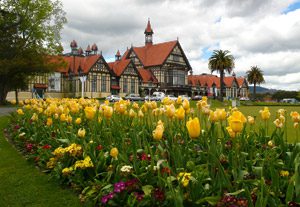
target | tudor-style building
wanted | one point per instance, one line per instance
(166, 61)
(209, 85)
(140, 70)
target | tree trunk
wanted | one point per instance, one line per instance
(3, 94)
(17, 96)
(221, 85)
(254, 91)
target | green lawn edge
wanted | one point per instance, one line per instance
(22, 184)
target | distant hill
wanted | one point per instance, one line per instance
(260, 89)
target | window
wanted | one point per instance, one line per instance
(132, 86)
(125, 85)
(176, 58)
(103, 83)
(94, 83)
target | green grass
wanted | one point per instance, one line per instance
(254, 111)
(21, 184)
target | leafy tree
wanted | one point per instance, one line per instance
(222, 62)
(255, 76)
(279, 95)
(29, 35)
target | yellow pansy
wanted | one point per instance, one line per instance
(114, 152)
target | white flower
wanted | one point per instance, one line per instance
(22, 134)
(126, 168)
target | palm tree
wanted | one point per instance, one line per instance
(222, 62)
(255, 76)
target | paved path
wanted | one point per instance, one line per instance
(6, 110)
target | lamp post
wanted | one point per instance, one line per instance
(82, 78)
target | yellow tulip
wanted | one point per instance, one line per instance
(132, 113)
(186, 104)
(158, 132)
(296, 125)
(179, 100)
(63, 117)
(230, 132)
(78, 121)
(221, 113)
(89, 112)
(34, 117)
(213, 116)
(49, 121)
(251, 120)
(135, 105)
(108, 112)
(13, 102)
(265, 114)
(236, 125)
(81, 133)
(140, 114)
(180, 113)
(295, 116)
(278, 123)
(170, 110)
(114, 152)
(20, 112)
(193, 126)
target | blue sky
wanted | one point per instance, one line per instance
(292, 7)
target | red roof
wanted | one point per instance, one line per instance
(118, 67)
(156, 54)
(228, 81)
(74, 63)
(148, 28)
(240, 81)
(147, 76)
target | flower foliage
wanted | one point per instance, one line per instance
(161, 154)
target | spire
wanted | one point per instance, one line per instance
(88, 50)
(94, 48)
(148, 34)
(118, 56)
(73, 46)
(148, 28)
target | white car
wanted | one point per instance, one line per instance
(113, 98)
(185, 97)
(171, 97)
(244, 99)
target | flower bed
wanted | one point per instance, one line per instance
(169, 155)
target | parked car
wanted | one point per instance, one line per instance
(185, 97)
(159, 96)
(150, 98)
(197, 98)
(171, 97)
(133, 97)
(244, 99)
(113, 98)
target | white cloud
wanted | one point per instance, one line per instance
(256, 32)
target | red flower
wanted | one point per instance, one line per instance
(47, 146)
(99, 147)
(166, 170)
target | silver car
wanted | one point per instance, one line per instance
(113, 98)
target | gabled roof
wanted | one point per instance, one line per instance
(83, 63)
(241, 81)
(118, 67)
(147, 76)
(156, 54)
(228, 81)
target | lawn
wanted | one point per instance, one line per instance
(22, 184)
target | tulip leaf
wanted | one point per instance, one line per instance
(147, 189)
(66, 141)
(212, 200)
(236, 192)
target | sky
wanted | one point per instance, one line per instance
(262, 33)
